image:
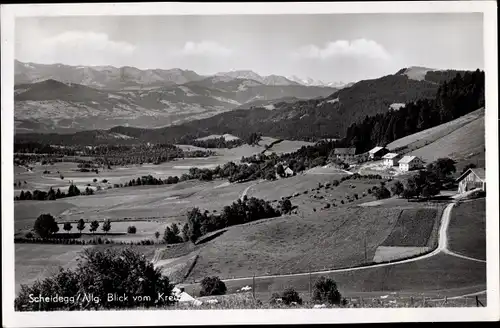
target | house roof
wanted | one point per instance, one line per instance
(376, 150)
(344, 151)
(390, 156)
(407, 159)
(479, 172)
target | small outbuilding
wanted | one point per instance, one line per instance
(472, 179)
(288, 172)
(391, 159)
(377, 152)
(408, 163)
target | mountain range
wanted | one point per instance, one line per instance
(323, 116)
(62, 98)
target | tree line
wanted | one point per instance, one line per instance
(53, 195)
(242, 211)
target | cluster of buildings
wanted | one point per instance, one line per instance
(405, 163)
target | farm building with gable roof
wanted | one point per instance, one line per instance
(472, 179)
(344, 153)
(377, 152)
(391, 159)
(408, 163)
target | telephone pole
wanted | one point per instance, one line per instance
(310, 296)
(365, 248)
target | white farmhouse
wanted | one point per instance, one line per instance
(408, 163)
(391, 159)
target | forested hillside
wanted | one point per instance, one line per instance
(457, 97)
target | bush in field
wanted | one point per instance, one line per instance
(382, 192)
(132, 229)
(45, 225)
(171, 235)
(157, 235)
(335, 183)
(29, 235)
(290, 295)
(100, 272)
(212, 286)
(397, 188)
(325, 291)
(285, 206)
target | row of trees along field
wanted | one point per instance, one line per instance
(53, 195)
(216, 143)
(457, 97)
(46, 226)
(104, 155)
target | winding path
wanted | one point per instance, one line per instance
(441, 248)
(244, 193)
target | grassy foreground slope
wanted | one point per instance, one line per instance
(424, 137)
(437, 276)
(467, 230)
(461, 144)
(293, 244)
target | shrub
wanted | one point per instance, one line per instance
(290, 295)
(382, 193)
(29, 235)
(132, 229)
(335, 183)
(212, 286)
(285, 206)
(45, 225)
(100, 272)
(325, 290)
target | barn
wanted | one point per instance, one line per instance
(377, 152)
(472, 179)
(391, 159)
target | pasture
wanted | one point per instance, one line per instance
(164, 203)
(38, 261)
(422, 138)
(462, 143)
(35, 261)
(467, 230)
(429, 277)
(413, 228)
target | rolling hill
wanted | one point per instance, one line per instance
(54, 106)
(310, 119)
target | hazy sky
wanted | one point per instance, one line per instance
(330, 47)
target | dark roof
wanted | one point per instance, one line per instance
(479, 172)
(344, 151)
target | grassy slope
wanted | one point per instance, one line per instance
(467, 229)
(413, 228)
(325, 239)
(421, 138)
(426, 277)
(466, 141)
